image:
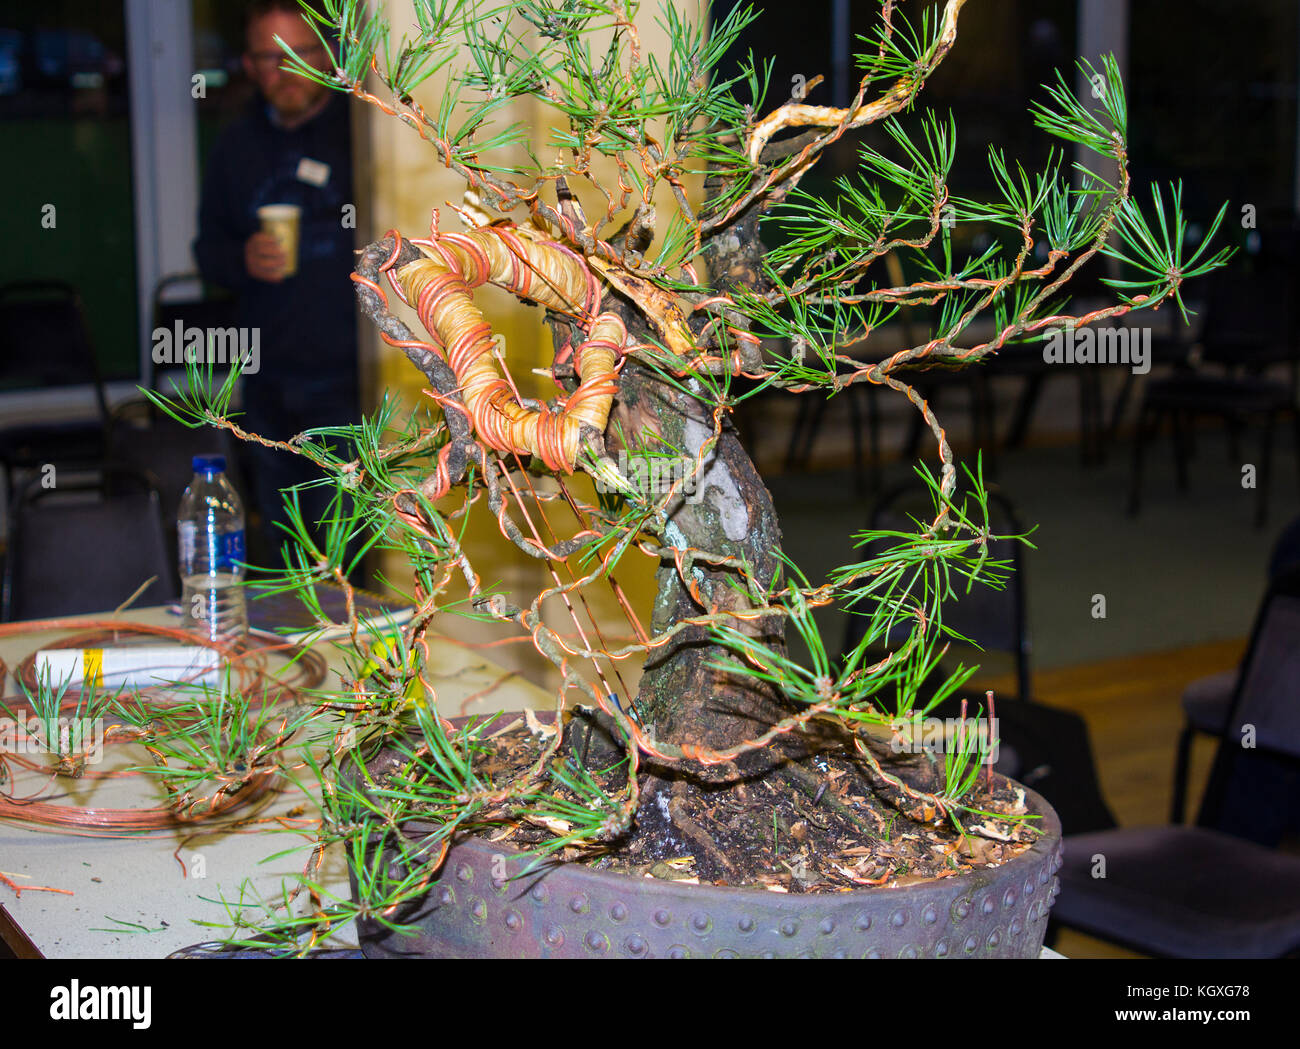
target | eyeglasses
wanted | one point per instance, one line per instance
(265, 61)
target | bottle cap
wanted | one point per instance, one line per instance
(206, 464)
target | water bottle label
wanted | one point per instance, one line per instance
(230, 551)
(226, 550)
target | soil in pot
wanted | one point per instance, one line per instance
(490, 901)
(823, 823)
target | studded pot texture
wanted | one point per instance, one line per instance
(568, 910)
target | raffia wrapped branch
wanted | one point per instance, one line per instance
(893, 101)
(439, 287)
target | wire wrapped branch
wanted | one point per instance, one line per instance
(379, 258)
(893, 101)
(439, 286)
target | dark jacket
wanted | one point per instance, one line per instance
(307, 321)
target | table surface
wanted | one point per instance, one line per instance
(147, 896)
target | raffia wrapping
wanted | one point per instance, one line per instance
(439, 287)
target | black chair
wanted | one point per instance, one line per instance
(1025, 361)
(862, 400)
(1052, 754)
(1198, 892)
(86, 545)
(993, 619)
(1250, 326)
(1207, 702)
(929, 381)
(1183, 398)
(146, 440)
(808, 422)
(183, 298)
(44, 344)
(1045, 748)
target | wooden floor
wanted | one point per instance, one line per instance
(1132, 708)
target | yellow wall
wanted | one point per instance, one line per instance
(402, 181)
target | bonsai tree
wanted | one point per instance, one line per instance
(670, 307)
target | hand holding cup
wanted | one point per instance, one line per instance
(272, 253)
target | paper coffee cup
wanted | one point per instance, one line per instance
(282, 221)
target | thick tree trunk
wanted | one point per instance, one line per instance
(681, 695)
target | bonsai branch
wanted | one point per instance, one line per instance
(858, 115)
(439, 285)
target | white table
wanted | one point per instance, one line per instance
(144, 897)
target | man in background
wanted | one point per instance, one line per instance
(292, 146)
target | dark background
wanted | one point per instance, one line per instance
(1212, 90)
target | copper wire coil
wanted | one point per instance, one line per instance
(248, 661)
(134, 821)
(440, 285)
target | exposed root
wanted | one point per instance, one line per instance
(799, 776)
(699, 837)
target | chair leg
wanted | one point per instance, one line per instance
(1233, 425)
(1180, 448)
(983, 426)
(1089, 423)
(1295, 425)
(1262, 479)
(855, 420)
(1121, 405)
(1025, 409)
(873, 433)
(1099, 443)
(1145, 414)
(806, 425)
(796, 431)
(1085, 451)
(1182, 761)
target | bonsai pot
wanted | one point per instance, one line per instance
(478, 907)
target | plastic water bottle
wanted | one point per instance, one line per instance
(211, 533)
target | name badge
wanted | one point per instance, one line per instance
(313, 172)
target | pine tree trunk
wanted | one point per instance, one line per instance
(681, 695)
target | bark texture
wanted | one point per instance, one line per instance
(685, 698)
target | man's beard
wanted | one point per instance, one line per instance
(293, 102)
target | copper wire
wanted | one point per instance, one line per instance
(249, 674)
(440, 286)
